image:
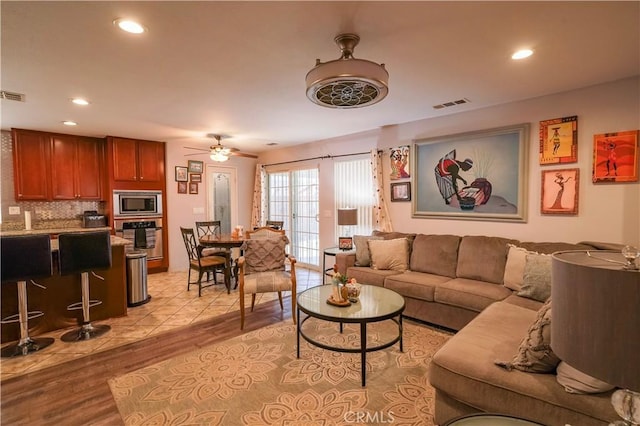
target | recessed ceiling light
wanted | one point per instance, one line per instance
(521, 54)
(80, 101)
(129, 26)
(69, 123)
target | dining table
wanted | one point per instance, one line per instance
(224, 241)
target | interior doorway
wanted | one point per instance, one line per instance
(222, 199)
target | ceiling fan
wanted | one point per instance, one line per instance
(219, 152)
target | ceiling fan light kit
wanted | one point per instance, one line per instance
(347, 82)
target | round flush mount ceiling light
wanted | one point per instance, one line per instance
(69, 123)
(129, 26)
(347, 82)
(80, 101)
(521, 54)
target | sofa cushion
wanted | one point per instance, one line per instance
(469, 294)
(417, 285)
(534, 354)
(435, 254)
(396, 235)
(575, 381)
(463, 369)
(483, 258)
(367, 275)
(363, 256)
(536, 283)
(389, 254)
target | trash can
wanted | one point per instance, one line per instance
(137, 293)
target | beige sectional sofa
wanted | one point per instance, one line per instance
(458, 282)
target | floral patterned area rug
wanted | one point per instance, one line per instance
(256, 379)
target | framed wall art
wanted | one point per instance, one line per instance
(181, 174)
(182, 187)
(560, 191)
(615, 157)
(401, 191)
(193, 187)
(195, 166)
(399, 159)
(474, 176)
(195, 177)
(559, 140)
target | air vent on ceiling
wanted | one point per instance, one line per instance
(12, 96)
(451, 103)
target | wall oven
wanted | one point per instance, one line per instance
(137, 203)
(144, 233)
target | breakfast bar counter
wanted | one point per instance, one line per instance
(62, 291)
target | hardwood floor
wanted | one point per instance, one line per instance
(77, 393)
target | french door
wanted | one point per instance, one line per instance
(294, 199)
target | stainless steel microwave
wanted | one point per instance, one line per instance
(137, 203)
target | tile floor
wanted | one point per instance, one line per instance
(171, 306)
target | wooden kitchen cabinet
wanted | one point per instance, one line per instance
(31, 165)
(137, 160)
(52, 166)
(76, 168)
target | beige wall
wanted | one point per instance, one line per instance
(607, 212)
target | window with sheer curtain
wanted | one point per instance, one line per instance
(354, 189)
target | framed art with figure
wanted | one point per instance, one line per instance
(560, 191)
(472, 176)
(559, 140)
(399, 159)
(615, 157)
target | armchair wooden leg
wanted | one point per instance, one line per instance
(241, 310)
(280, 298)
(253, 301)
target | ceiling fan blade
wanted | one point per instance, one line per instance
(196, 153)
(197, 149)
(243, 154)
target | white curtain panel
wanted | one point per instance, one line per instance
(259, 197)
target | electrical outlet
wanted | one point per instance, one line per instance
(14, 210)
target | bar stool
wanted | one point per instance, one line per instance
(80, 253)
(24, 258)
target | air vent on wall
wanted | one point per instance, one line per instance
(451, 103)
(12, 96)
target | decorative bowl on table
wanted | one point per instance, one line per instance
(353, 291)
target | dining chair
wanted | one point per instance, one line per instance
(275, 224)
(211, 227)
(204, 264)
(261, 269)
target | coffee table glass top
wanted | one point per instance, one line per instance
(374, 302)
(490, 420)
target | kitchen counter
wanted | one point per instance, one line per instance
(53, 231)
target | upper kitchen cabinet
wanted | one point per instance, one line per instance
(136, 164)
(51, 166)
(31, 165)
(76, 167)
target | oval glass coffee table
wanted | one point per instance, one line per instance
(375, 304)
(486, 419)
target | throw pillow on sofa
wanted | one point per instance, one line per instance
(389, 254)
(363, 256)
(514, 269)
(534, 353)
(536, 282)
(575, 381)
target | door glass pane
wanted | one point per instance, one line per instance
(221, 197)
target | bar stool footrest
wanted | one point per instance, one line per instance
(16, 317)
(86, 332)
(78, 305)
(25, 348)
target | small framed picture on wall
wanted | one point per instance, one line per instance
(401, 191)
(181, 174)
(182, 187)
(560, 191)
(195, 177)
(193, 187)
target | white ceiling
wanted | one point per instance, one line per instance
(239, 67)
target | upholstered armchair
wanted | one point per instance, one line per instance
(261, 269)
